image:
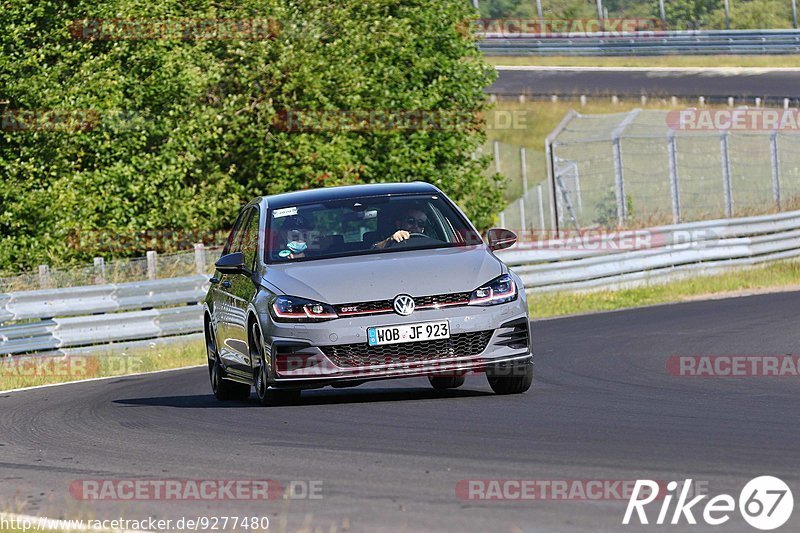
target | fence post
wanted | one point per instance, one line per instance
(99, 271)
(524, 167)
(726, 173)
(152, 264)
(619, 182)
(502, 219)
(541, 207)
(550, 161)
(775, 164)
(673, 179)
(497, 157)
(522, 213)
(44, 276)
(200, 257)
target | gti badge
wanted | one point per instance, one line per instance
(403, 304)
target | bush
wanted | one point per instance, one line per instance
(184, 131)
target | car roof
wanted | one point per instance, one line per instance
(310, 196)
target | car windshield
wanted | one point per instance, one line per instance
(358, 226)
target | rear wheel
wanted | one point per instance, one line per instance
(510, 379)
(446, 382)
(223, 389)
(267, 396)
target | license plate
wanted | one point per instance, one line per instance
(425, 331)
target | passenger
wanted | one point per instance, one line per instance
(293, 237)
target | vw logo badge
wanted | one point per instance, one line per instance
(403, 305)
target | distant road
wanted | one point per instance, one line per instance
(771, 84)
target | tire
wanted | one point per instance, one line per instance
(223, 389)
(510, 380)
(265, 395)
(444, 383)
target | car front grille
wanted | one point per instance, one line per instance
(379, 307)
(362, 354)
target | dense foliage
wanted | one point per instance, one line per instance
(181, 132)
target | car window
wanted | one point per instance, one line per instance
(235, 236)
(249, 243)
(362, 225)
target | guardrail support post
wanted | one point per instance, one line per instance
(775, 164)
(200, 257)
(673, 179)
(152, 264)
(99, 271)
(726, 174)
(44, 276)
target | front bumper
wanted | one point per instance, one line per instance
(301, 353)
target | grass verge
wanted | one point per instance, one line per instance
(781, 275)
(29, 371)
(663, 61)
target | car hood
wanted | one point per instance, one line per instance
(383, 276)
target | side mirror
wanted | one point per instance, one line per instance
(231, 263)
(499, 238)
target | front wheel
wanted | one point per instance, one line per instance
(225, 390)
(510, 380)
(267, 396)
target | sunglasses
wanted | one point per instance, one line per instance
(416, 222)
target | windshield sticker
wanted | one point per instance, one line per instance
(285, 212)
(284, 253)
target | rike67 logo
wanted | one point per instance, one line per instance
(765, 503)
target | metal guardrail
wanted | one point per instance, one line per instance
(53, 320)
(127, 315)
(672, 252)
(719, 42)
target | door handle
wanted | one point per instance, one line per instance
(226, 284)
(214, 280)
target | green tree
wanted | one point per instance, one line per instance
(187, 128)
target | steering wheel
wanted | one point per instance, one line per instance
(410, 236)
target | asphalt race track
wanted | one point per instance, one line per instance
(390, 454)
(769, 84)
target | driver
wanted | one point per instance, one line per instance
(411, 221)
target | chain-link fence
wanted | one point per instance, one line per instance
(647, 168)
(154, 266)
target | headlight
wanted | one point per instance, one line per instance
(293, 309)
(497, 291)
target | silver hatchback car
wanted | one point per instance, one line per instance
(344, 285)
